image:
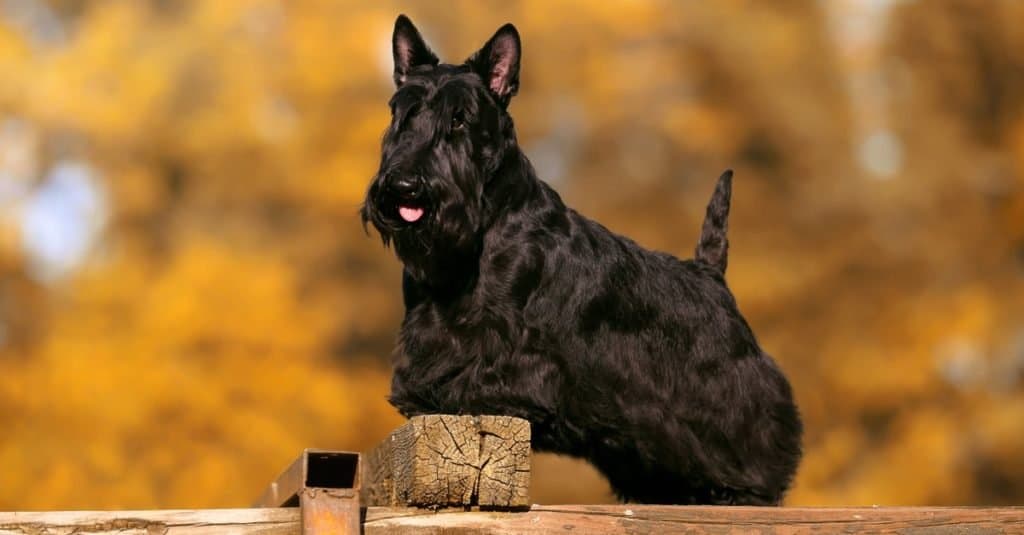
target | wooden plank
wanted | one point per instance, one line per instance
(167, 522)
(634, 519)
(445, 461)
(596, 519)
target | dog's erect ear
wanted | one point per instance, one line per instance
(408, 49)
(497, 63)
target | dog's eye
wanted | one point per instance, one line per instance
(458, 120)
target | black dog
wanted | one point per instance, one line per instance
(518, 305)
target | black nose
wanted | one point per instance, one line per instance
(407, 187)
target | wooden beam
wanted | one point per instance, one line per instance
(168, 522)
(450, 461)
(633, 519)
(596, 519)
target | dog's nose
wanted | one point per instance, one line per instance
(405, 186)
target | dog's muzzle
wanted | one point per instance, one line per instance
(406, 197)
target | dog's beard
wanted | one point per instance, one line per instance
(442, 251)
(439, 242)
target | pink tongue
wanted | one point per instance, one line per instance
(410, 214)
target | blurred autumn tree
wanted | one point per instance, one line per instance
(228, 310)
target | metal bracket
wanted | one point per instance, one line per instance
(325, 484)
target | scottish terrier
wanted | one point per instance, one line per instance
(517, 305)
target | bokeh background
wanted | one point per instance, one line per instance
(187, 298)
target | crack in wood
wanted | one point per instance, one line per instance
(439, 461)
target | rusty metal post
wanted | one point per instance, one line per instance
(326, 511)
(325, 484)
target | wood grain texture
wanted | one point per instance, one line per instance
(168, 522)
(445, 461)
(649, 519)
(596, 519)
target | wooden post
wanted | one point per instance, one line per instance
(451, 461)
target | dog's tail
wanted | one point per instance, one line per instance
(713, 247)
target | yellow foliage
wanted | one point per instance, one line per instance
(167, 410)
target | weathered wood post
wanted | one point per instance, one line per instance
(442, 460)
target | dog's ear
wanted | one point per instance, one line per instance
(497, 63)
(408, 49)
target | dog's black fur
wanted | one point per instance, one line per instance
(517, 305)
